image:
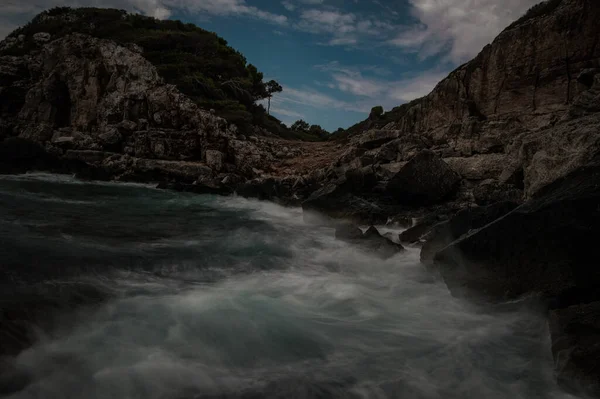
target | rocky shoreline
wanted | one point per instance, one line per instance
(496, 172)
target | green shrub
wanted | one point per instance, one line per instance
(198, 62)
(376, 112)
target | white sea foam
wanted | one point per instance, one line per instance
(291, 313)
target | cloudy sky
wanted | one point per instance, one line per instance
(335, 58)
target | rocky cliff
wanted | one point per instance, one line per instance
(99, 108)
(520, 115)
(518, 124)
(517, 117)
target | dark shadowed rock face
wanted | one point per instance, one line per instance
(339, 200)
(544, 246)
(522, 114)
(443, 234)
(575, 333)
(425, 179)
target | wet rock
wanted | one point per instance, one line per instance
(337, 201)
(543, 247)
(383, 247)
(419, 231)
(575, 334)
(371, 240)
(393, 237)
(425, 179)
(465, 221)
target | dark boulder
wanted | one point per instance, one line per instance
(338, 201)
(261, 188)
(371, 240)
(419, 231)
(545, 246)
(443, 234)
(575, 333)
(383, 247)
(425, 179)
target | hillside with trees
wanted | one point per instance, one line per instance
(201, 64)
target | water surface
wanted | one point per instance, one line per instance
(141, 293)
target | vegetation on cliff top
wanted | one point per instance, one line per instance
(538, 10)
(198, 62)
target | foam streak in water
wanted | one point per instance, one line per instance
(212, 297)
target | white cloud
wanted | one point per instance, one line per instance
(286, 112)
(226, 8)
(313, 98)
(344, 28)
(462, 27)
(377, 90)
(288, 5)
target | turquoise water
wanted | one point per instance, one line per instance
(141, 293)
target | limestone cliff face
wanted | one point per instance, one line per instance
(523, 113)
(515, 99)
(92, 100)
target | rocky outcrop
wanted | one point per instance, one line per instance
(464, 222)
(541, 247)
(84, 101)
(520, 115)
(425, 179)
